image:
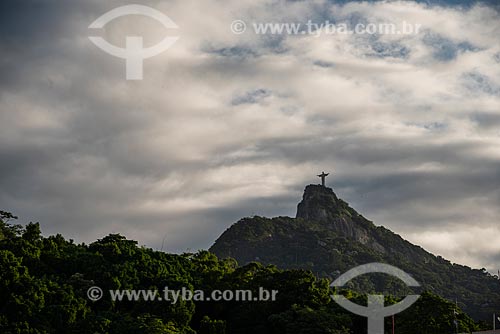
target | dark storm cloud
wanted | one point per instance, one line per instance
(445, 49)
(226, 126)
(462, 174)
(480, 83)
(253, 96)
(488, 120)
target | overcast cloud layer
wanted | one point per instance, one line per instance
(225, 126)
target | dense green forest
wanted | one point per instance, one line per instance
(44, 283)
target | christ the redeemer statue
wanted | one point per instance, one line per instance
(323, 176)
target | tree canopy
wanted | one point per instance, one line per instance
(44, 283)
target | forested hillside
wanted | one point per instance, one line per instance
(329, 237)
(44, 283)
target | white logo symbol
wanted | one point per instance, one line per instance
(375, 311)
(94, 293)
(133, 53)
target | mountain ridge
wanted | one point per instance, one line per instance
(328, 237)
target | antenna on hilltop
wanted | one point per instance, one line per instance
(163, 242)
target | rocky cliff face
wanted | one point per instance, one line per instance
(319, 203)
(322, 205)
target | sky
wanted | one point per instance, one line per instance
(226, 125)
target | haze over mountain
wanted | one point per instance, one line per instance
(328, 237)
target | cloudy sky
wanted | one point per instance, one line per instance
(228, 125)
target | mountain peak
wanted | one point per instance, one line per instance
(330, 237)
(319, 203)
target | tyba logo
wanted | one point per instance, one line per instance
(375, 310)
(134, 53)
